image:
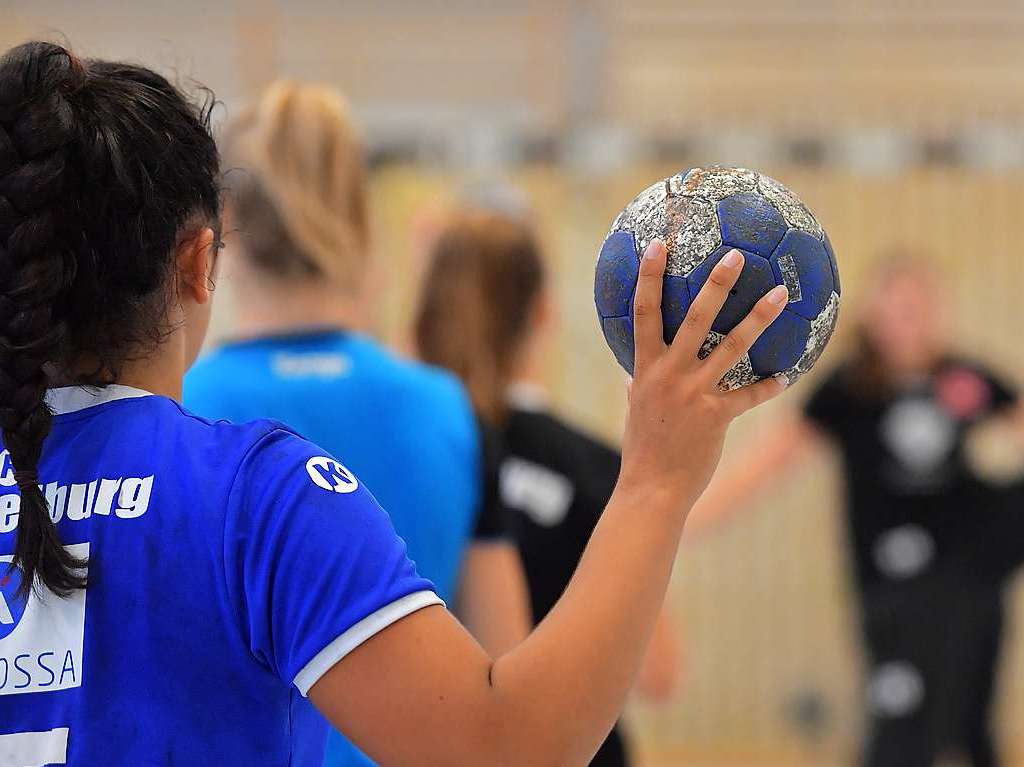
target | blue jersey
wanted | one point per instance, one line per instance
(406, 429)
(229, 567)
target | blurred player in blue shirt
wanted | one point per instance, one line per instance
(300, 273)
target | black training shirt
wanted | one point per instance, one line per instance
(912, 500)
(558, 480)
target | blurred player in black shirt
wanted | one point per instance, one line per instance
(483, 315)
(928, 537)
(559, 480)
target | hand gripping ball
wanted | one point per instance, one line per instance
(701, 215)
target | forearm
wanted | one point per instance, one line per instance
(563, 688)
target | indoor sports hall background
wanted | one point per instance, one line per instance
(900, 123)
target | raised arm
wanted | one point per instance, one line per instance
(422, 692)
(764, 460)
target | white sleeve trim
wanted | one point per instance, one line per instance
(369, 626)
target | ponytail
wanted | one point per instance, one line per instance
(36, 264)
(482, 282)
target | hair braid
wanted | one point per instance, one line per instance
(37, 203)
(104, 167)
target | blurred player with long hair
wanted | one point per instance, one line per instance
(920, 521)
(486, 313)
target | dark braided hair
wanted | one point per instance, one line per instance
(104, 168)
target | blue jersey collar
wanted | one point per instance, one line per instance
(69, 399)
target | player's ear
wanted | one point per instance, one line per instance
(195, 261)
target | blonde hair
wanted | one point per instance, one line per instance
(298, 195)
(482, 283)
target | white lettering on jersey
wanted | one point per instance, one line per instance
(331, 475)
(80, 499)
(56, 499)
(544, 495)
(6, 469)
(314, 365)
(134, 498)
(9, 506)
(105, 496)
(126, 497)
(41, 638)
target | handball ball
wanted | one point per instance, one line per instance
(701, 215)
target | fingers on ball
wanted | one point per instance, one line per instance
(709, 303)
(748, 397)
(742, 337)
(727, 271)
(647, 331)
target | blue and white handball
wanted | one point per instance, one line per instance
(701, 215)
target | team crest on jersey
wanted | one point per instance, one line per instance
(12, 609)
(41, 638)
(331, 475)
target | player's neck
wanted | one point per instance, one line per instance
(912, 367)
(273, 307)
(160, 372)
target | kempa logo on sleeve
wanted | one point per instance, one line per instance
(331, 475)
(41, 638)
